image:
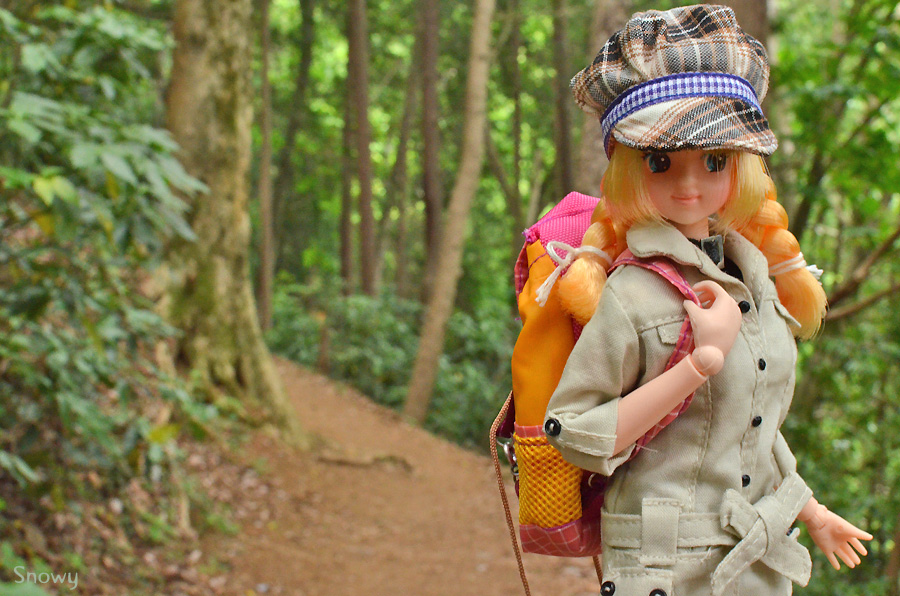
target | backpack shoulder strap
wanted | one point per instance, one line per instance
(663, 266)
(685, 344)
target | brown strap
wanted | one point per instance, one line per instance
(509, 521)
(598, 569)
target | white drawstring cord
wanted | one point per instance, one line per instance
(797, 262)
(562, 264)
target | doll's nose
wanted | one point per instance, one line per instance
(686, 184)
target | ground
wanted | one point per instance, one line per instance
(380, 508)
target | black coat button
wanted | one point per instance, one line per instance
(757, 420)
(744, 306)
(552, 427)
(745, 480)
(658, 592)
(762, 364)
(607, 589)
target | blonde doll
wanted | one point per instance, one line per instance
(708, 506)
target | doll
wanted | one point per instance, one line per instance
(708, 506)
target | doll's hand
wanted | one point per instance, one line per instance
(834, 536)
(715, 327)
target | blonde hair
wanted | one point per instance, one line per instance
(752, 210)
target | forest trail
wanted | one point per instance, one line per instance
(381, 508)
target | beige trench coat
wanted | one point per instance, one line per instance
(696, 512)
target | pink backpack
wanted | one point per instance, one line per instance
(525, 446)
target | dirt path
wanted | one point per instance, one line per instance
(383, 509)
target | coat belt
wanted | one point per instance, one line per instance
(756, 532)
(763, 529)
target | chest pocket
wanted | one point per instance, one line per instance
(670, 332)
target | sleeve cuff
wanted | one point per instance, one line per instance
(588, 440)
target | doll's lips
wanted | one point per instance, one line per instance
(686, 200)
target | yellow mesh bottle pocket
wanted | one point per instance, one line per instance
(549, 486)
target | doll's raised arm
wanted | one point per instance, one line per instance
(588, 420)
(715, 329)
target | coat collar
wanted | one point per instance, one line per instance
(660, 239)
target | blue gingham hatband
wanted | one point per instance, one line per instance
(672, 87)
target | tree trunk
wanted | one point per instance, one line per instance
(517, 211)
(752, 16)
(431, 139)
(563, 98)
(399, 181)
(892, 573)
(283, 188)
(206, 283)
(358, 81)
(347, 277)
(266, 236)
(609, 16)
(443, 294)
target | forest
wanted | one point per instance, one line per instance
(189, 188)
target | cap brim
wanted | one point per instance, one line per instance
(697, 123)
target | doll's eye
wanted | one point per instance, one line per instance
(658, 162)
(715, 162)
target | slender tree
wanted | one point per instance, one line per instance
(562, 97)
(347, 273)
(283, 187)
(398, 187)
(358, 81)
(264, 190)
(608, 16)
(443, 292)
(431, 140)
(206, 283)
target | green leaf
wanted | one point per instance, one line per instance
(163, 433)
(16, 178)
(36, 57)
(53, 187)
(108, 86)
(64, 189)
(83, 155)
(118, 167)
(43, 187)
(27, 131)
(17, 467)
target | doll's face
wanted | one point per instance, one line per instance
(686, 187)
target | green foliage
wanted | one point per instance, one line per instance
(21, 589)
(372, 343)
(837, 89)
(86, 204)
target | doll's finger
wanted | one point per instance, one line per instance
(708, 290)
(859, 546)
(851, 562)
(833, 560)
(849, 556)
(693, 311)
(862, 534)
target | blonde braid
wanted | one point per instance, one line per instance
(798, 290)
(581, 286)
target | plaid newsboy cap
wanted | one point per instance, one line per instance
(686, 78)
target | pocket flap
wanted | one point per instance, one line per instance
(670, 332)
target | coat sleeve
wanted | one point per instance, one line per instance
(603, 366)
